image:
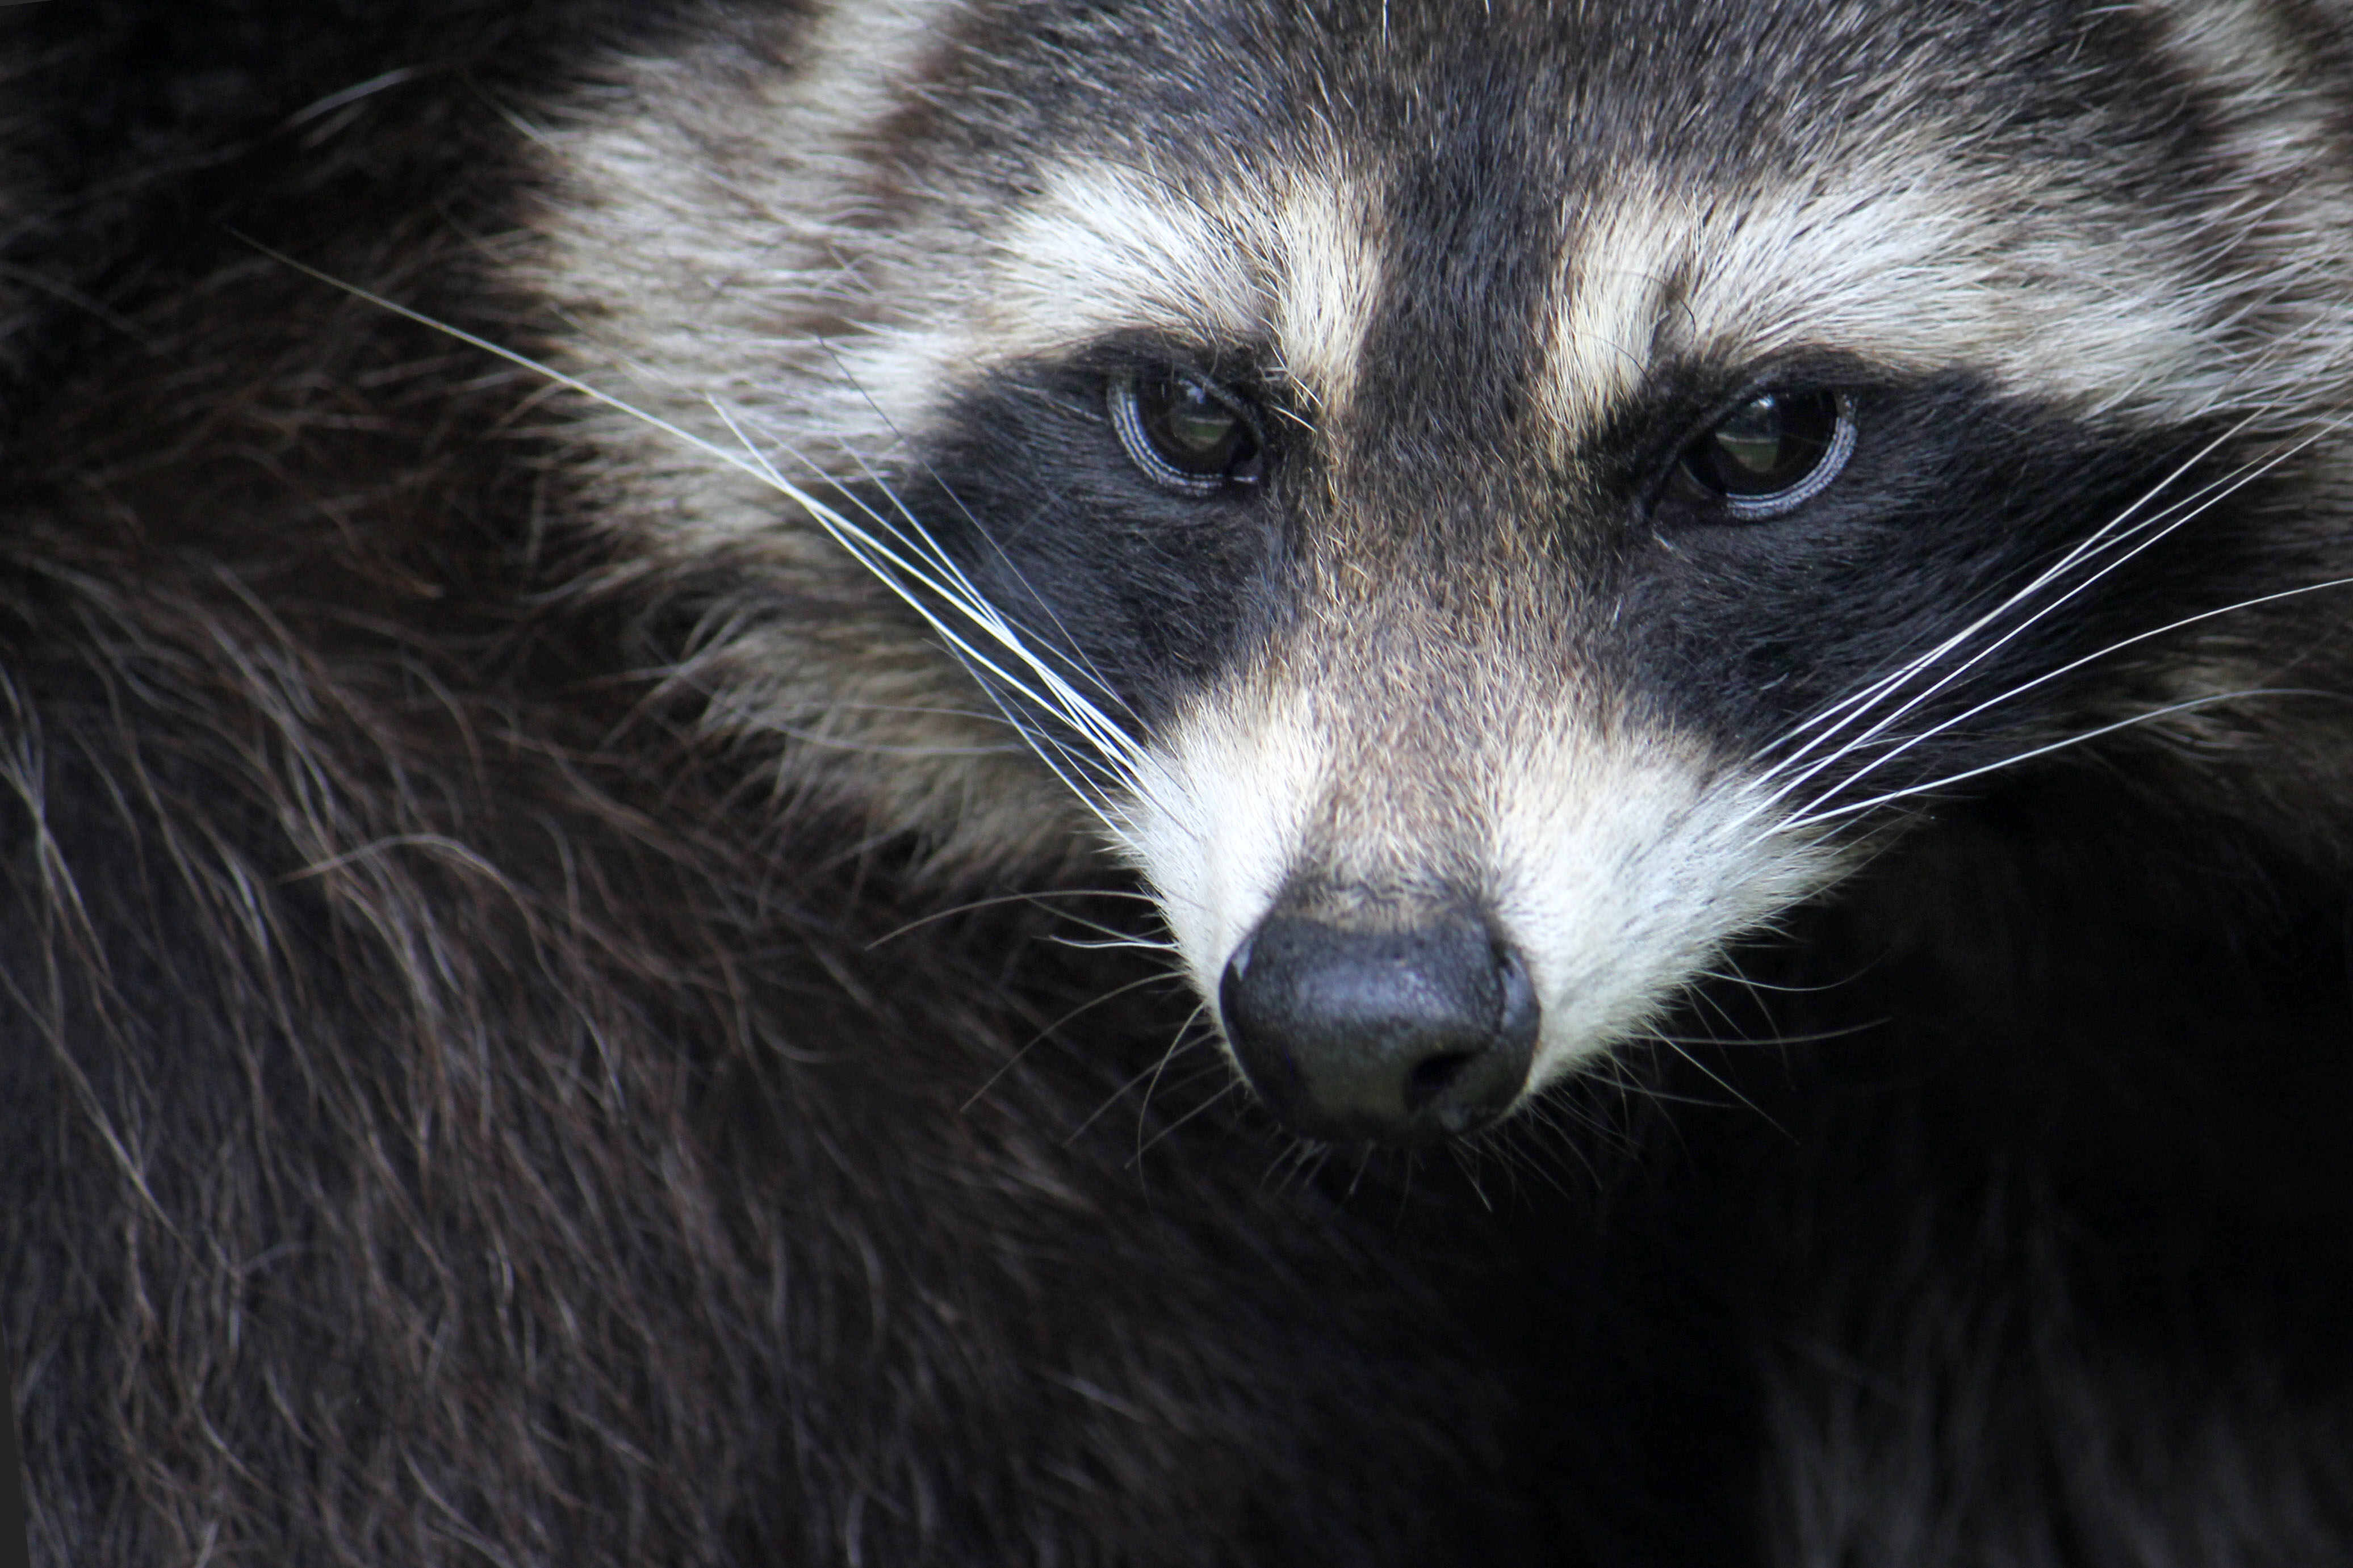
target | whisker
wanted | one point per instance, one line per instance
(2111, 532)
(945, 577)
(895, 569)
(1834, 813)
(2074, 665)
(1717, 1078)
(1769, 1042)
(1177, 1045)
(1749, 984)
(1116, 945)
(1115, 935)
(1887, 720)
(1170, 1130)
(1298, 1161)
(1036, 897)
(1144, 1075)
(1130, 766)
(892, 568)
(2174, 518)
(1516, 1146)
(1069, 642)
(1083, 1008)
(1463, 1163)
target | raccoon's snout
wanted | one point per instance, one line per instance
(1394, 1036)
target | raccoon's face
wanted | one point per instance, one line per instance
(1485, 506)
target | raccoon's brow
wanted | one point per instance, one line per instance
(1918, 274)
(1106, 251)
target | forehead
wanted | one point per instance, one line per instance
(1536, 208)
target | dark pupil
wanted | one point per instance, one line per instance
(1192, 431)
(1769, 444)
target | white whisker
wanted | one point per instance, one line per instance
(1712, 1075)
(2151, 532)
(1177, 1045)
(1232, 1084)
(2072, 665)
(1041, 898)
(1052, 693)
(1833, 814)
(2112, 532)
(894, 570)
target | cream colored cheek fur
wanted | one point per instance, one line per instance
(1618, 867)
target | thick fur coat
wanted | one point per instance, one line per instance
(558, 1008)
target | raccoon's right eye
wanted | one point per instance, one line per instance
(1188, 435)
(1773, 453)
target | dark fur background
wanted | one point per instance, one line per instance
(450, 1110)
(451, 1116)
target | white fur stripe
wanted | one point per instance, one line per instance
(1106, 252)
(1901, 262)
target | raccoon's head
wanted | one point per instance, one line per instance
(1481, 505)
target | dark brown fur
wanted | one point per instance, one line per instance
(453, 1109)
(454, 1113)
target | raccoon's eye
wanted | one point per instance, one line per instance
(1773, 453)
(1189, 435)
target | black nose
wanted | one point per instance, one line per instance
(1397, 1036)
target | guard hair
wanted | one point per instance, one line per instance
(1177, 782)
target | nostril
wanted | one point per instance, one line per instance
(1434, 1076)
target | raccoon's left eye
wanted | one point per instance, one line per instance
(1188, 435)
(1773, 453)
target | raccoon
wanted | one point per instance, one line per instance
(1193, 782)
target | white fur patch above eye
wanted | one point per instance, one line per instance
(1901, 262)
(1328, 234)
(1102, 252)
(712, 240)
(706, 238)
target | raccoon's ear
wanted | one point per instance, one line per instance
(1773, 453)
(1184, 432)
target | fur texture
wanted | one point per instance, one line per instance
(616, 878)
